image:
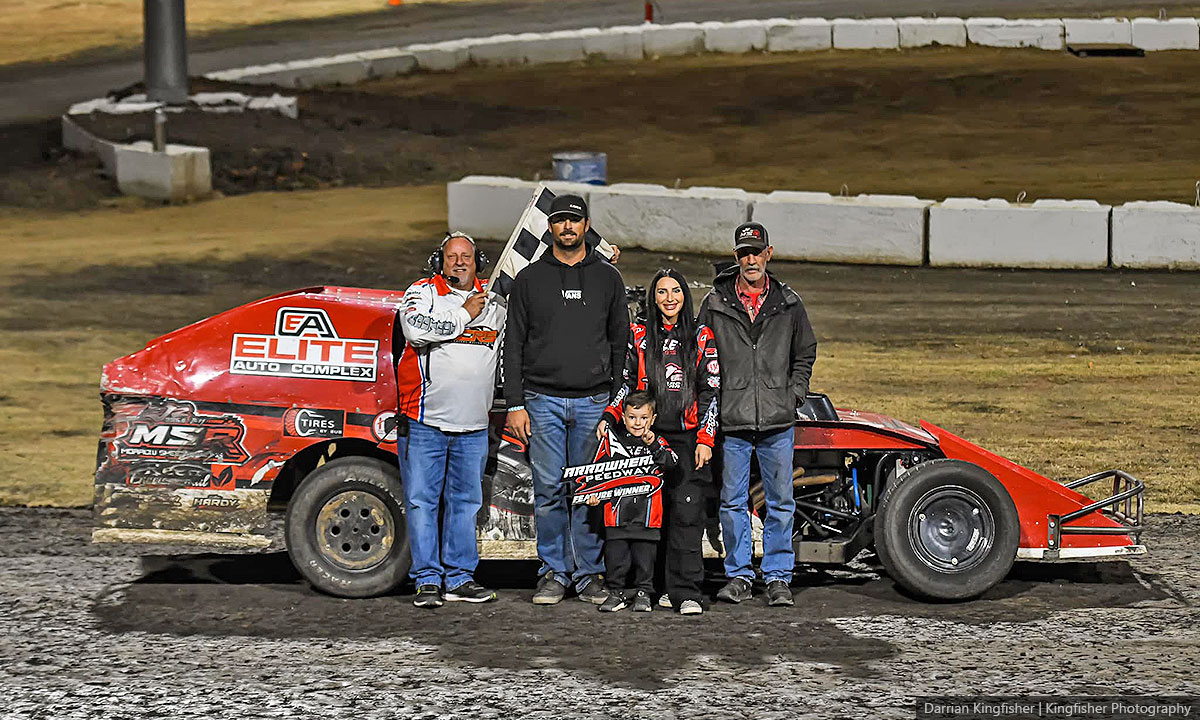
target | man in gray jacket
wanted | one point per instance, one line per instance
(767, 351)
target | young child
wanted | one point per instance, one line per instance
(632, 523)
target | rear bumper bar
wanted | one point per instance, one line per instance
(1094, 553)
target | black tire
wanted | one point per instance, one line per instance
(346, 531)
(970, 547)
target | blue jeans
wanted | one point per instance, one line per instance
(775, 463)
(442, 474)
(563, 433)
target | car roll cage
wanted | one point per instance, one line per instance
(1125, 506)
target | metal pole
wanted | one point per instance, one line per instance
(160, 130)
(165, 50)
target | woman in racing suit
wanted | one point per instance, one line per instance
(675, 359)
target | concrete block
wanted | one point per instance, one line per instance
(269, 74)
(76, 138)
(1170, 34)
(499, 49)
(999, 32)
(876, 229)
(993, 233)
(180, 173)
(554, 47)
(441, 57)
(742, 36)
(487, 207)
(614, 43)
(1098, 31)
(698, 219)
(801, 35)
(389, 62)
(337, 70)
(675, 39)
(1161, 235)
(284, 105)
(869, 34)
(923, 32)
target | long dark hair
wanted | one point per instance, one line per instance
(684, 331)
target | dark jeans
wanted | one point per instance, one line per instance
(685, 501)
(620, 556)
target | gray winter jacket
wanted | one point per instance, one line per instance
(765, 364)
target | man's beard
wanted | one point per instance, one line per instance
(457, 281)
(576, 242)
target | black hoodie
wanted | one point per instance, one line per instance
(567, 329)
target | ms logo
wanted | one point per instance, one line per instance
(304, 322)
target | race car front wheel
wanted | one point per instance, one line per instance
(346, 531)
(947, 530)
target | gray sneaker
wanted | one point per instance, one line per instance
(615, 602)
(594, 591)
(779, 594)
(664, 601)
(471, 592)
(641, 602)
(428, 596)
(735, 591)
(549, 591)
(690, 607)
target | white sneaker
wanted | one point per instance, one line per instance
(690, 607)
(664, 601)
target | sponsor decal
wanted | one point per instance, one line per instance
(714, 381)
(671, 345)
(674, 377)
(173, 431)
(477, 336)
(214, 502)
(572, 294)
(178, 475)
(710, 352)
(305, 345)
(383, 427)
(306, 422)
(713, 366)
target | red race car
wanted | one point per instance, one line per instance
(290, 402)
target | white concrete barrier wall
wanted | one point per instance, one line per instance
(441, 57)
(499, 50)
(742, 36)
(1170, 34)
(999, 32)
(180, 173)
(674, 39)
(614, 43)
(555, 47)
(1097, 31)
(993, 233)
(923, 32)
(869, 34)
(487, 207)
(878, 229)
(698, 219)
(1159, 235)
(801, 35)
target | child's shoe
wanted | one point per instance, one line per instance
(616, 601)
(641, 602)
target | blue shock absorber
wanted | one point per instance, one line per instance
(857, 494)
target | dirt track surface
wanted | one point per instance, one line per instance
(93, 631)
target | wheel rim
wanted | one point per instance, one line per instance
(951, 529)
(355, 530)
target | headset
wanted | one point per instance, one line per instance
(437, 259)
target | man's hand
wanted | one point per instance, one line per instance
(474, 304)
(601, 428)
(616, 253)
(649, 437)
(703, 455)
(518, 425)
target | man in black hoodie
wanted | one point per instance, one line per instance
(568, 324)
(767, 351)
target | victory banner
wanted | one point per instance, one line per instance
(617, 472)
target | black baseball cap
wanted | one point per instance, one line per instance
(750, 235)
(567, 205)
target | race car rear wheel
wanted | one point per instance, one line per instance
(346, 531)
(947, 530)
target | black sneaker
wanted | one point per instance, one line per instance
(594, 591)
(616, 601)
(735, 591)
(471, 592)
(549, 591)
(428, 596)
(779, 594)
(641, 602)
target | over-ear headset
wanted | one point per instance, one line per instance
(437, 259)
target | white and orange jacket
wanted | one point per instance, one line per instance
(446, 374)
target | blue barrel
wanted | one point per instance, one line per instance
(582, 167)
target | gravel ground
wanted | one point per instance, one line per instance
(96, 631)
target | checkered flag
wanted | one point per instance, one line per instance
(530, 239)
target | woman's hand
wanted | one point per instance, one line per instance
(601, 428)
(703, 455)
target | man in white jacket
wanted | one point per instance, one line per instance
(445, 376)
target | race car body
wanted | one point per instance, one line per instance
(290, 402)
